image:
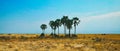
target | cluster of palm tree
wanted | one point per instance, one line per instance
(66, 22)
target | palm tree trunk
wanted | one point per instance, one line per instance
(75, 30)
(52, 30)
(54, 33)
(64, 29)
(42, 31)
(58, 30)
(69, 32)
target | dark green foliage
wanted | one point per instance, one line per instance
(51, 25)
(43, 27)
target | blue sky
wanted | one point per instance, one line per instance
(26, 16)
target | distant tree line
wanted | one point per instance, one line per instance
(66, 22)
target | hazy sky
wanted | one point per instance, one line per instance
(26, 16)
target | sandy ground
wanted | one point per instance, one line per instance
(82, 43)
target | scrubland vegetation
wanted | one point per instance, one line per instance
(83, 42)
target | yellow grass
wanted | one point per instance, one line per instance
(84, 42)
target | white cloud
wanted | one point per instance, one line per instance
(103, 16)
(100, 23)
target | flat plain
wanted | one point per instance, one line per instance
(84, 42)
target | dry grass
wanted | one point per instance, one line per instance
(84, 42)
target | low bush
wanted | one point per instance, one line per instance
(96, 39)
(23, 38)
(4, 38)
(42, 35)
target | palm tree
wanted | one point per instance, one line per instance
(69, 24)
(63, 21)
(58, 24)
(43, 27)
(75, 22)
(54, 27)
(51, 25)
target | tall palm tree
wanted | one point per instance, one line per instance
(63, 21)
(43, 27)
(69, 24)
(51, 25)
(76, 21)
(58, 24)
(54, 27)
